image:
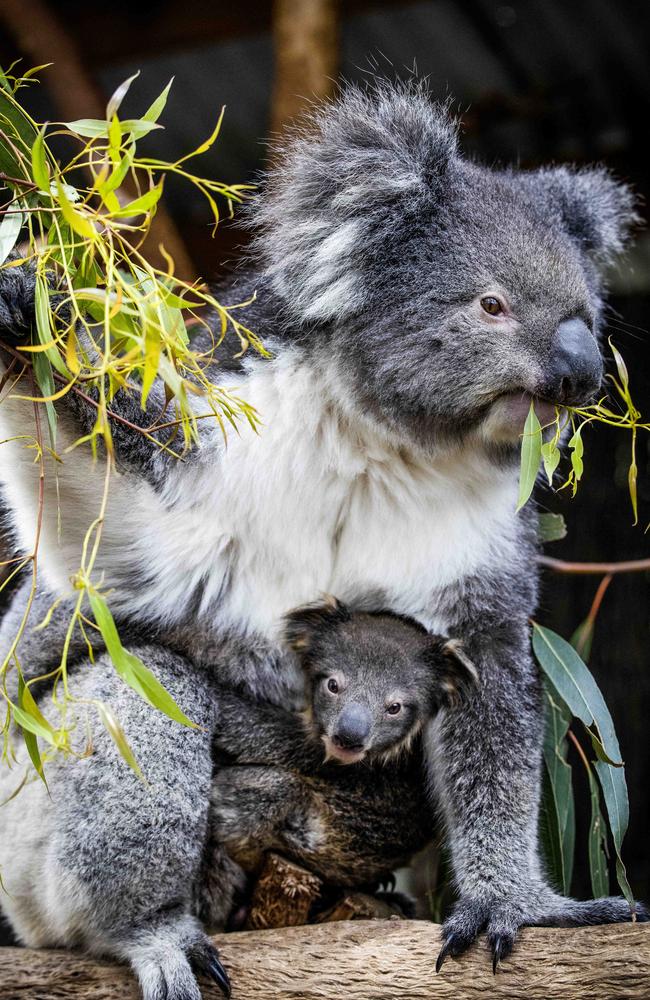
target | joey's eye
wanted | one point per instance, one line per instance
(491, 305)
(333, 686)
(394, 709)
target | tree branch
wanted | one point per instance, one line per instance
(594, 568)
(369, 960)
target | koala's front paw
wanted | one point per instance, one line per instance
(17, 290)
(501, 919)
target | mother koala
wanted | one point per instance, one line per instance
(414, 303)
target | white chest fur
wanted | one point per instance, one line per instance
(316, 504)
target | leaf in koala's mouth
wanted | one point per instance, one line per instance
(507, 415)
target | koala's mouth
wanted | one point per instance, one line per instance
(342, 755)
(507, 416)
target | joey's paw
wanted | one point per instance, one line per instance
(17, 286)
(461, 929)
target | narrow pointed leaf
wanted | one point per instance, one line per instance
(531, 454)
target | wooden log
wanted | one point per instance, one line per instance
(374, 960)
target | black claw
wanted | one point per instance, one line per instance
(444, 951)
(501, 946)
(215, 969)
(205, 961)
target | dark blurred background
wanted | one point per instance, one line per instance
(535, 82)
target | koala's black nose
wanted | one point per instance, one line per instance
(353, 727)
(576, 367)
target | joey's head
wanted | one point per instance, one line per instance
(450, 294)
(373, 679)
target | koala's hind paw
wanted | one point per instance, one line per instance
(168, 955)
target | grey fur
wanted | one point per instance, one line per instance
(127, 869)
(375, 242)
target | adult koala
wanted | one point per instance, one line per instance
(415, 303)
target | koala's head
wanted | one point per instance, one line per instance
(450, 294)
(373, 679)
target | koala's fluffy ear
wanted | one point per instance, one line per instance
(595, 209)
(303, 626)
(355, 172)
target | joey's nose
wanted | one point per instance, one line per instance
(575, 369)
(353, 727)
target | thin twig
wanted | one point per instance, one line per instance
(594, 568)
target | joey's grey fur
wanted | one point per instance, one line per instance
(387, 465)
(138, 871)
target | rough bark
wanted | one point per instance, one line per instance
(374, 960)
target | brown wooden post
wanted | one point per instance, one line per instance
(305, 34)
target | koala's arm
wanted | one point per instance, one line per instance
(250, 732)
(134, 451)
(485, 758)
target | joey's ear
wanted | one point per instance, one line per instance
(350, 178)
(454, 650)
(452, 674)
(595, 209)
(303, 626)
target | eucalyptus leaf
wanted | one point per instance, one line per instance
(551, 528)
(10, 226)
(531, 454)
(598, 867)
(130, 668)
(558, 814)
(576, 686)
(116, 733)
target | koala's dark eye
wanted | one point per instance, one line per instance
(491, 305)
(394, 709)
(332, 686)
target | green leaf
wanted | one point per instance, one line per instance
(597, 843)
(558, 810)
(130, 668)
(45, 381)
(582, 639)
(576, 686)
(44, 327)
(531, 454)
(39, 162)
(118, 736)
(93, 128)
(551, 528)
(154, 112)
(551, 458)
(142, 204)
(27, 704)
(77, 222)
(612, 782)
(10, 226)
(118, 96)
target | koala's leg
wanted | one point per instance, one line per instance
(106, 861)
(485, 759)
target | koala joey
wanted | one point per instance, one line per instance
(101, 861)
(344, 797)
